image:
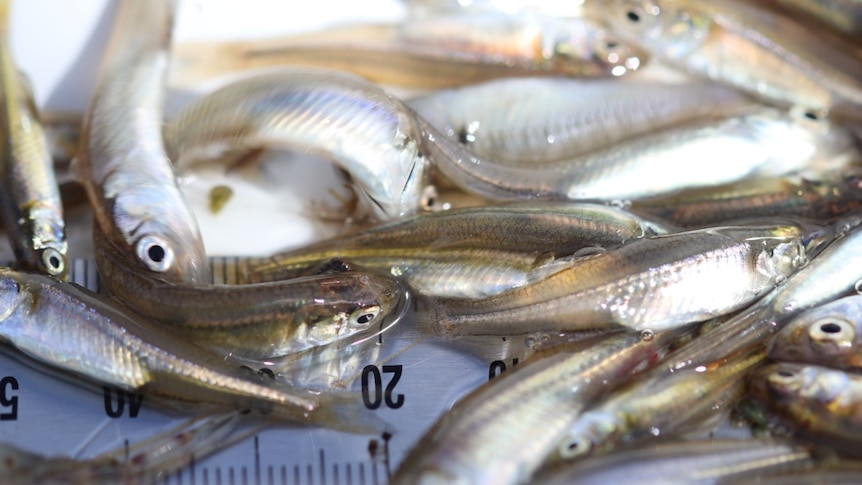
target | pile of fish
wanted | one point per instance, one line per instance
(686, 247)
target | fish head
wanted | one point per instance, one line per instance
(570, 41)
(668, 28)
(47, 238)
(587, 434)
(822, 335)
(361, 302)
(159, 236)
(780, 255)
(794, 383)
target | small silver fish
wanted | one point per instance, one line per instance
(519, 121)
(768, 55)
(30, 197)
(331, 114)
(122, 163)
(816, 403)
(482, 438)
(691, 462)
(654, 283)
(760, 143)
(80, 332)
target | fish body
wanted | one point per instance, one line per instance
(658, 406)
(818, 403)
(330, 114)
(32, 211)
(653, 284)
(691, 462)
(761, 143)
(829, 335)
(257, 321)
(122, 163)
(451, 273)
(500, 432)
(519, 121)
(820, 199)
(441, 50)
(765, 54)
(79, 332)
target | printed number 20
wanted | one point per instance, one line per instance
(373, 393)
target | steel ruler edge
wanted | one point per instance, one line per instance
(407, 381)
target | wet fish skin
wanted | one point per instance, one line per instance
(765, 54)
(450, 273)
(761, 143)
(695, 462)
(80, 332)
(122, 163)
(331, 114)
(518, 121)
(658, 405)
(829, 335)
(561, 228)
(821, 199)
(654, 283)
(257, 321)
(30, 197)
(834, 266)
(482, 438)
(446, 49)
(816, 403)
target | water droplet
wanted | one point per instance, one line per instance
(858, 287)
(529, 342)
(647, 335)
(654, 431)
(780, 279)
(700, 368)
(790, 306)
(800, 261)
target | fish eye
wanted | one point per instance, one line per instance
(574, 447)
(832, 335)
(53, 261)
(364, 316)
(155, 253)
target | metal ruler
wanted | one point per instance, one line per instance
(405, 378)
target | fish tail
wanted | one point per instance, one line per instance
(348, 411)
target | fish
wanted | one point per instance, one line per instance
(823, 199)
(561, 228)
(762, 143)
(827, 335)
(154, 456)
(762, 53)
(816, 403)
(257, 321)
(482, 438)
(450, 273)
(655, 283)
(334, 115)
(519, 121)
(830, 273)
(82, 333)
(442, 50)
(692, 462)
(32, 210)
(657, 407)
(122, 163)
